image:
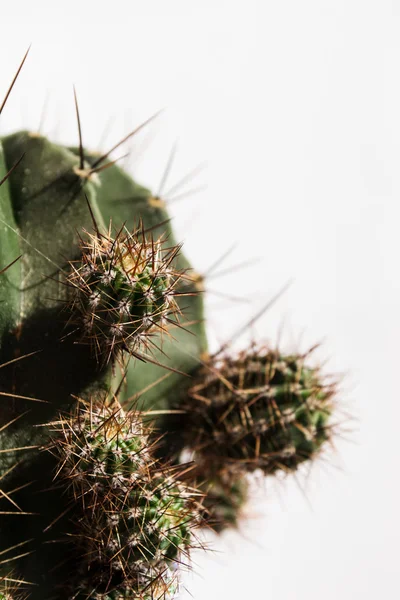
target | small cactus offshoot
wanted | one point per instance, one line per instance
(124, 288)
(259, 410)
(136, 517)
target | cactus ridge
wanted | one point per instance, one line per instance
(124, 290)
(261, 409)
(135, 513)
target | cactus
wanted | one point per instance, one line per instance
(105, 380)
(260, 410)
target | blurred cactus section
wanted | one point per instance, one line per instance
(107, 383)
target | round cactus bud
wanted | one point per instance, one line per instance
(259, 410)
(134, 513)
(123, 289)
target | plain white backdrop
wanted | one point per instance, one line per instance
(295, 106)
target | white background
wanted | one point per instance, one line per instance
(295, 106)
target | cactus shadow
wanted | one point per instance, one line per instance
(49, 366)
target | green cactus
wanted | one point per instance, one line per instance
(133, 513)
(102, 331)
(259, 410)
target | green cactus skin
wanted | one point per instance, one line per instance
(260, 410)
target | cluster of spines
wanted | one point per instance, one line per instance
(259, 410)
(124, 290)
(136, 519)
